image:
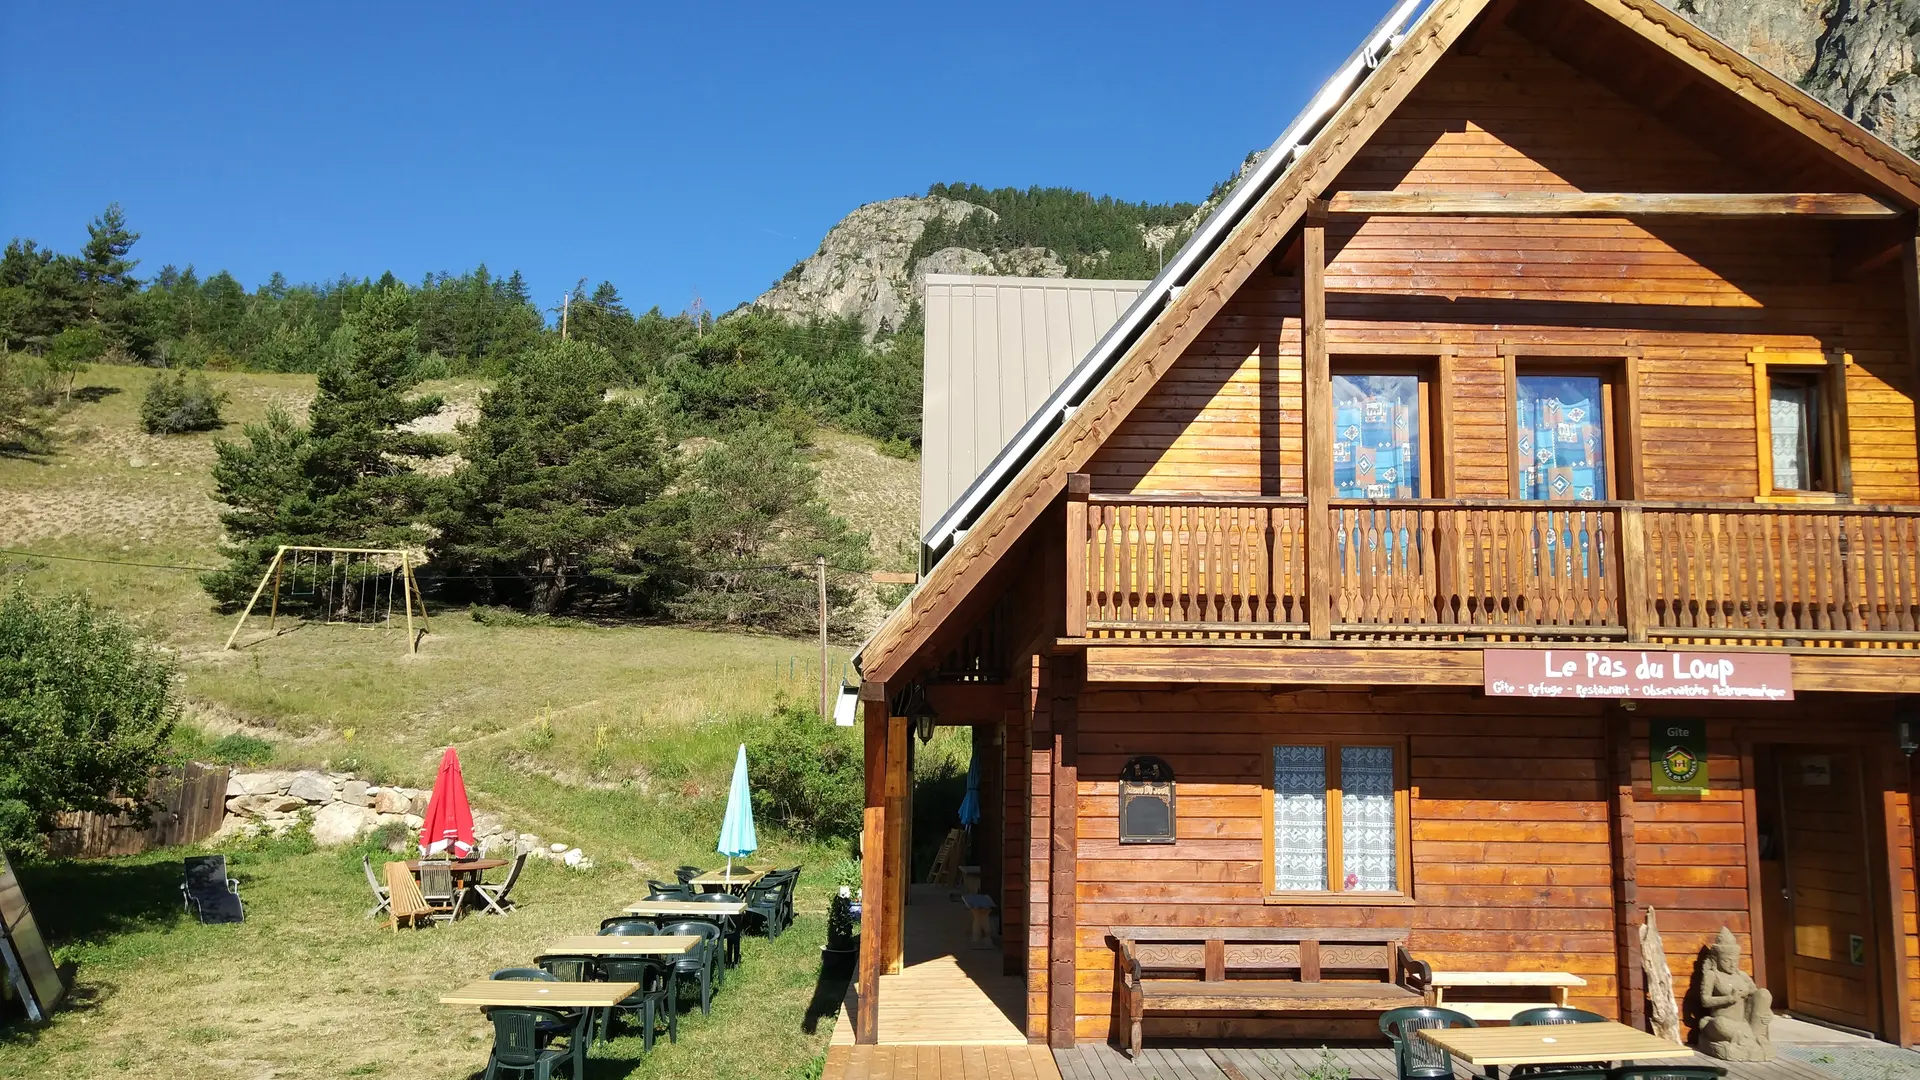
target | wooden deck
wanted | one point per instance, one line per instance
(1098, 1061)
(947, 993)
(1021, 1062)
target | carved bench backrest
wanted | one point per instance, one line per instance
(1220, 954)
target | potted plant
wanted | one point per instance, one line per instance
(843, 945)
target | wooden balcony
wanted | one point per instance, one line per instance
(1216, 570)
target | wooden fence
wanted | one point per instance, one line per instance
(192, 802)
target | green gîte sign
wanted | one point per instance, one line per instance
(1679, 753)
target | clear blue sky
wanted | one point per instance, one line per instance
(672, 149)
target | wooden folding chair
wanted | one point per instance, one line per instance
(404, 902)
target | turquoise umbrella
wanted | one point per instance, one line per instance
(970, 806)
(737, 839)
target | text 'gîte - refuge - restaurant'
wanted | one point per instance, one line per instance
(1500, 520)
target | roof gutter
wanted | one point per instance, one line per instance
(1186, 262)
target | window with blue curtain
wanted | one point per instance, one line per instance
(1376, 436)
(1563, 438)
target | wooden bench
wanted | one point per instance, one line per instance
(1505, 983)
(1265, 969)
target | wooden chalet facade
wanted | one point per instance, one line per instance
(1570, 335)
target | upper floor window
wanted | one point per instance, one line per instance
(1377, 437)
(1562, 436)
(1800, 421)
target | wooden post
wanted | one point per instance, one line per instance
(1079, 486)
(1910, 291)
(873, 847)
(1039, 850)
(1626, 869)
(1318, 396)
(273, 608)
(1068, 677)
(272, 569)
(1633, 572)
(826, 704)
(898, 852)
(406, 585)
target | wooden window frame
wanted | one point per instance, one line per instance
(1618, 369)
(1433, 366)
(1402, 825)
(1829, 369)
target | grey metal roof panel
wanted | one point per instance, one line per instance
(996, 348)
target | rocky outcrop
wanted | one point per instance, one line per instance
(344, 808)
(1855, 55)
(861, 268)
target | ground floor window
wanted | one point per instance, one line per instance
(1339, 819)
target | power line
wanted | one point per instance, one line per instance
(430, 573)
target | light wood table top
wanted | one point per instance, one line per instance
(1506, 978)
(690, 908)
(742, 877)
(1549, 1044)
(512, 993)
(468, 866)
(611, 945)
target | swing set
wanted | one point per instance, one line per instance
(341, 587)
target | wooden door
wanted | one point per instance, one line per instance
(1833, 954)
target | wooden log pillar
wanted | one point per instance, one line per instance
(1069, 674)
(1634, 610)
(899, 868)
(873, 846)
(1039, 833)
(1079, 487)
(1626, 869)
(1317, 393)
(1910, 292)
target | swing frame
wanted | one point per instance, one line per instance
(409, 587)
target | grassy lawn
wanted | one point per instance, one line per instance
(618, 740)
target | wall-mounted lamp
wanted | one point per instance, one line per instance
(1629, 704)
(1906, 723)
(918, 713)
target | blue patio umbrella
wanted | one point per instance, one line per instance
(970, 806)
(737, 839)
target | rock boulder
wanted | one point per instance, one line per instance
(342, 823)
(312, 787)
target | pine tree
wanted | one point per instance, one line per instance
(348, 479)
(561, 493)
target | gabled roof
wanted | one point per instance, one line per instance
(1176, 306)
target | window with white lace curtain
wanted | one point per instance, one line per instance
(1800, 420)
(1338, 820)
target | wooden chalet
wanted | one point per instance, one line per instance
(1501, 519)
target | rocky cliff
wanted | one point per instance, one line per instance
(1855, 55)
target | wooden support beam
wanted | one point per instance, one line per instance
(1634, 609)
(1318, 395)
(873, 846)
(1079, 486)
(968, 703)
(1490, 20)
(1910, 291)
(1039, 707)
(1606, 204)
(1067, 679)
(1626, 870)
(898, 841)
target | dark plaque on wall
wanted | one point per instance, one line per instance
(1146, 802)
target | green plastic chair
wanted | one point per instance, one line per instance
(534, 974)
(729, 925)
(571, 968)
(661, 890)
(1555, 1014)
(654, 997)
(703, 963)
(1415, 1058)
(1560, 1014)
(687, 874)
(522, 1047)
(770, 902)
(628, 926)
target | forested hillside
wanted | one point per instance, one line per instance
(1093, 237)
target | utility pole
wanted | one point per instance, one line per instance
(565, 301)
(826, 703)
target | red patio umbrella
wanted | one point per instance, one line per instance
(449, 824)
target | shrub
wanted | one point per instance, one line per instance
(238, 749)
(178, 402)
(807, 774)
(86, 710)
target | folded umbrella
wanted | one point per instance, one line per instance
(737, 838)
(449, 825)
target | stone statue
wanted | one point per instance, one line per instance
(1735, 1012)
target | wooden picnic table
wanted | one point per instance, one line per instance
(742, 877)
(692, 909)
(612, 945)
(516, 994)
(1555, 983)
(1552, 1044)
(468, 868)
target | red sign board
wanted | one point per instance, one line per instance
(1621, 673)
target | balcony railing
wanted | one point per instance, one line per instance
(1188, 567)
